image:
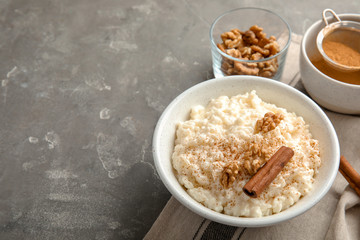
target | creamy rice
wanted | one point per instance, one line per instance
(218, 134)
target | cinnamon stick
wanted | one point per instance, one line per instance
(267, 173)
(350, 174)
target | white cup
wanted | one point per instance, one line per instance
(330, 93)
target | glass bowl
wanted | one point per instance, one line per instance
(243, 18)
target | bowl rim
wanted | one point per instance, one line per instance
(207, 213)
(304, 52)
(249, 61)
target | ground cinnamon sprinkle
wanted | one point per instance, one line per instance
(342, 53)
(343, 47)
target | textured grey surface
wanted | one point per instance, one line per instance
(82, 86)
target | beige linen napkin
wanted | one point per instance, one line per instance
(346, 221)
(331, 218)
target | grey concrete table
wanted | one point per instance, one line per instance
(82, 84)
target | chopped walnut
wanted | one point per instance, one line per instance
(228, 35)
(226, 65)
(221, 47)
(268, 123)
(229, 174)
(270, 68)
(263, 42)
(245, 70)
(245, 51)
(258, 49)
(249, 45)
(233, 52)
(267, 74)
(233, 43)
(256, 29)
(272, 38)
(253, 157)
(273, 47)
(250, 38)
(253, 166)
(236, 31)
(256, 56)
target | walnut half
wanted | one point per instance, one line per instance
(229, 174)
(268, 123)
(253, 157)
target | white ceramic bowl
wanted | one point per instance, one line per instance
(328, 92)
(270, 91)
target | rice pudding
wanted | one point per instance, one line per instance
(237, 130)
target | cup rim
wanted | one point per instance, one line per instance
(242, 60)
(304, 52)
